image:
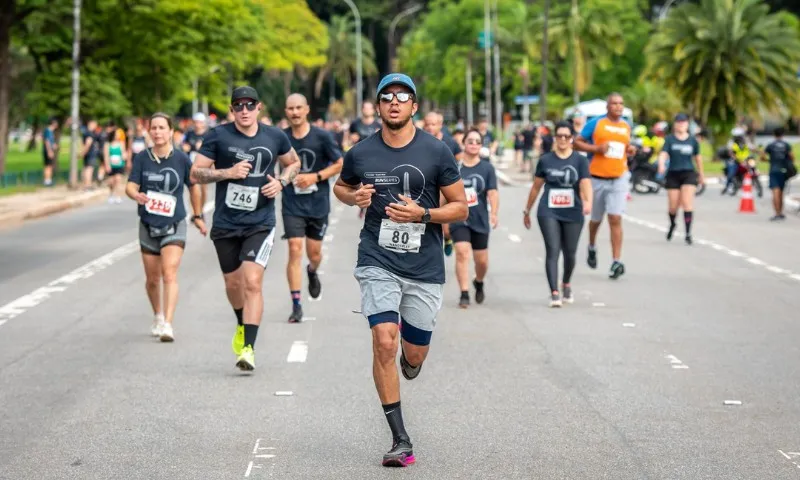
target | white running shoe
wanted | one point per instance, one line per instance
(167, 335)
(555, 301)
(158, 323)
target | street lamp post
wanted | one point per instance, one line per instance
(392, 27)
(359, 65)
(545, 50)
(498, 101)
(487, 62)
(76, 73)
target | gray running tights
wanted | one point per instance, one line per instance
(559, 236)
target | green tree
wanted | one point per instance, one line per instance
(588, 37)
(341, 60)
(721, 57)
(651, 101)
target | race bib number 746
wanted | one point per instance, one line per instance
(241, 197)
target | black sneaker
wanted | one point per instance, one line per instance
(688, 239)
(314, 287)
(297, 314)
(463, 302)
(409, 372)
(591, 259)
(617, 269)
(567, 294)
(670, 231)
(479, 295)
(401, 454)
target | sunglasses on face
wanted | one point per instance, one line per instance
(564, 136)
(474, 141)
(238, 107)
(402, 97)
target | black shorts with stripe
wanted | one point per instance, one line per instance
(235, 247)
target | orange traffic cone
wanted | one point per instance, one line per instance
(747, 205)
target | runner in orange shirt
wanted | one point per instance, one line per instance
(607, 140)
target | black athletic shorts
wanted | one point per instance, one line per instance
(479, 241)
(677, 179)
(235, 247)
(299, 227)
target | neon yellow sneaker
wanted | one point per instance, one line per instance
(247, 360)
(237, 344)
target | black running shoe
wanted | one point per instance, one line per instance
(688, 239)
(314, 287)
(670, 231)
(297, 314)
(479, 295)
(463, 302)
(401, 454)
(409, 372)
(617, 269)
(591, 259)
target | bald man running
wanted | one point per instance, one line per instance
(434, 121)
(306, 204)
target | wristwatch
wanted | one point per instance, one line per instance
(319, 177)
(284, 182)
(198, 217)
(426, 217)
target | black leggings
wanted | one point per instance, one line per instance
(559, 236)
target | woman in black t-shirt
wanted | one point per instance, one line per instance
(564, 176)
(157, 181)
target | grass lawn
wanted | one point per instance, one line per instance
(18, 189)
(18, 160)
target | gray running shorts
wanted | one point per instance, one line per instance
(382, 291)
(610, 196)
(154, 245)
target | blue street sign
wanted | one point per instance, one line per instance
(530, 99)
(482, 39)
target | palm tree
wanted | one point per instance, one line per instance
(587, 37)
(341, 54)
(721, 57)
(651, 101)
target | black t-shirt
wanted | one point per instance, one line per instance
(317, 150)
(778, 152)
(451, 143)
(364, 130)
(488, 139)
(163, 182)
(547, 143)
(478, 180)
(240, 205)
(94, 148)
(561, 198)
(529, 135)
(681, 152)
(418, 170)
(192, 138)
(339, 138)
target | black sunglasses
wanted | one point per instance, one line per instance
(238, 107)
(565, 136)
(402, 97)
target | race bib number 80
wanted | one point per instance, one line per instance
(241, 197)
(401, 237)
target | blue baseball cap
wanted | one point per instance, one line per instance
(397, 79)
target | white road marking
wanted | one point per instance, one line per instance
(629, 325)
(675, 362)
(598, 304)
(251, 464)
(721, 248)
(732, 402)
(328, 238)
(298, 352)
(334, 221)
(309, 319)
(284, 393)
(26, 302)
(514, 238)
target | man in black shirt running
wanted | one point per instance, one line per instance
(397, 176)
(307, 203)
(245, 153)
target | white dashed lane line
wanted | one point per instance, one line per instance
(721, 248)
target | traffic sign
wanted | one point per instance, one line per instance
(482, 39)
(526, 100)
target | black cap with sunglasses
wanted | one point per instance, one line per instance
(244, 92)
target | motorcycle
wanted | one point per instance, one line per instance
(643, 173)
(742, 168)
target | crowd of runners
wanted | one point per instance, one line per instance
(422, 191)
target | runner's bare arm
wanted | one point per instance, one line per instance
(538, 182)
(494, 203)
(358, 194)
(582, 145)
(132, 191)
(456, 209)
(291, 165)
(203, 171)
(662, 158)
(331, 170)
(586, 194)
